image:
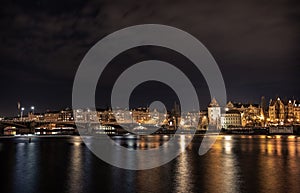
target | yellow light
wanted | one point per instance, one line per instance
(228, 138)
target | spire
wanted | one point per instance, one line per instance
(214, 103)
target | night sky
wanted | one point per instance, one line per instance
(255, 43)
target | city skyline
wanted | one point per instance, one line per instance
(29, 108)
(277, 117)
(277, 110)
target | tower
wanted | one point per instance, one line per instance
(19, 108)
(214, 114)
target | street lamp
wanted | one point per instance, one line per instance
(22, 110)
(131, 116)
(32, 108)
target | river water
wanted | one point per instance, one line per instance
(234, 164)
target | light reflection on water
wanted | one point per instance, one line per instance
(234, 164)
(25, 167)
(75, 169)
(182, 169)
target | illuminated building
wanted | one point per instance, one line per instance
(35, 117)
(66, 115)
(214, 113)
(276, 111)
(203, 120)
(297, 113)
(51, 116)
(85, 115)
(189, 119)
(231, 118)
(289, 110)
(141, 115)
(106, 116)
(63, 115)
(251, 114)
(284, 112)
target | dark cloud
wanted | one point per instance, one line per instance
(256, 43)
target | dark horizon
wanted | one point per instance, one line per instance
(255, 43)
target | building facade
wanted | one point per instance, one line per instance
(214, 114)
(231, 119)
(284, 112)
(251, 114)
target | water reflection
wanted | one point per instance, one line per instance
(222, 169)
(182, 143)
(281, 154)
(182, 174)
(234, 164)
(25, 171)
(75, 169)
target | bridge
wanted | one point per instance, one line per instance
(31, 126)
(65, 127)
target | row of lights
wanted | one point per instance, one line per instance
(23, 109)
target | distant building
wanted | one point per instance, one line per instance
(276, 111)
(141, 115)
(214, 113)
(157, 117)
(138, 115)
(203, 120)
(51, 116)
(63, 115)
(251, 114)
(289, 111)
(122, 116)
(284, 112)
(66, 115)
(297, 113)
(35, 117)
(231, 118)
(84, 115)
(79, 115)
(189, 119)
(106, 116)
